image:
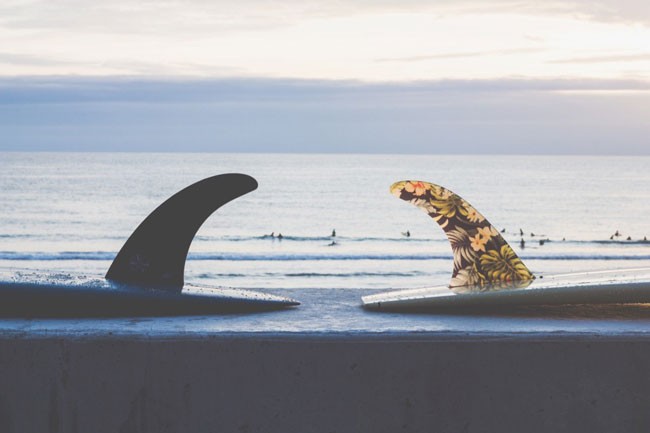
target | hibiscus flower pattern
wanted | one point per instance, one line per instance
(483, 260)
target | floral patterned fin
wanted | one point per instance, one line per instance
(483, 260)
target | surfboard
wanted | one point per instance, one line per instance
(605, 287)
(488, 274)
(147, 275)
(32, 294)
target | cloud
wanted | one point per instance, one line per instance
(155, 16)
(642, 57)
(462, 54)
(265, 115)
(313, 38)
(206, 16)
(30, 90)
(630, 11)
(24, 59)
(121, 67)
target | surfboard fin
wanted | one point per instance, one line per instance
(154, 255)
(482, 258)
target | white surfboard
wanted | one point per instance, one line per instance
(604, 287)
(487, 273)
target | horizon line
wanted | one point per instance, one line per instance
(166, 152)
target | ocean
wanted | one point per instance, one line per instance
(73, 211)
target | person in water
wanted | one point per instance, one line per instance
(280, 236)
(522, 243)
(334, 233)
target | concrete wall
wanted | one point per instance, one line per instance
(311, 383)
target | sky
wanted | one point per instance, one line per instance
(461, 76)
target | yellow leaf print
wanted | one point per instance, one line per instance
(469, 277)
(450, 207)
(503, 265)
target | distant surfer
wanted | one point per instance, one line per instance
(280, 236)
(503, 230)
(542, 242)
(532, 235)
(629, 238)
(334, 233)
(611, 238)
(331, 244)
(522, 244)
(617, 234)
(407, 234)
(521, 232)
(272, 234)
(645, 239)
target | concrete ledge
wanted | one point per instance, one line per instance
(313, 383)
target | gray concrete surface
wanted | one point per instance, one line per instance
(309, 383)
(331, 367)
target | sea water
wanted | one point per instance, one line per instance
(73, 211)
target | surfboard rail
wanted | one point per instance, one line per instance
(629, 286)
(92, 297)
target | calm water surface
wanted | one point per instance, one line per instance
(73, 211)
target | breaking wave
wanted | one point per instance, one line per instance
(105, 255)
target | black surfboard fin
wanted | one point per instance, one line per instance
(482, 258)
(154, 255)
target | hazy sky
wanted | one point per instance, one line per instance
(300, 75)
